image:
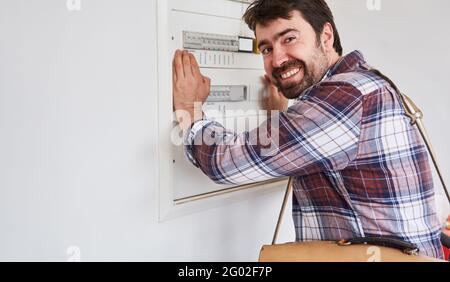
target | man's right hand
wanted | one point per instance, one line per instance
(274, 100)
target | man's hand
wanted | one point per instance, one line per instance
(274, 100)
(190, 88)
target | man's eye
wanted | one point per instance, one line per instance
(289, 39)
(266, 51)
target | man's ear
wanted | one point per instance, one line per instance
(327, 37)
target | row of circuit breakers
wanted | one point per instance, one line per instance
(223, 43)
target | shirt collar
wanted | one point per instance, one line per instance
(348, 63)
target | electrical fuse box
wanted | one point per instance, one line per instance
(213, 31)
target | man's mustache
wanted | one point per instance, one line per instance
(276, 72)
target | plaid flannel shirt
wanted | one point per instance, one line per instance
(359, 167)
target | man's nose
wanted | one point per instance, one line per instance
(279, 57)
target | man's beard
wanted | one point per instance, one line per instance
(312, 74)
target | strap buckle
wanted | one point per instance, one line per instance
(411, 109)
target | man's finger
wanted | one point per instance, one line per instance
(207, 81)
(269, 79)
(174, 72)
(194, 66)
(273, 90)
(187, 64)
(178, 64)
(264, 81)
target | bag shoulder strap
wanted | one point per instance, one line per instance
(415, 114)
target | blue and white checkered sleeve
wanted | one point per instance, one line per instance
(195, 129)
(317, 134)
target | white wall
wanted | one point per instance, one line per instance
(78, 124)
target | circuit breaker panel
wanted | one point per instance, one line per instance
(214, 32)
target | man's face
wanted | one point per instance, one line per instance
(293, 56)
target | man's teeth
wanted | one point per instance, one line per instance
(289, 73)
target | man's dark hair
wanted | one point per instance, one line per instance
(315, 12)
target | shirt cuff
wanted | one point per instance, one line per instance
(189, 140)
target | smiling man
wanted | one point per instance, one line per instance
(359, 167)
